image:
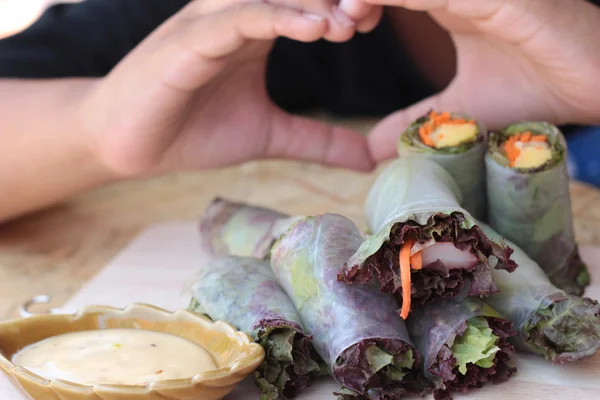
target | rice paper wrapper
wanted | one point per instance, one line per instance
(533, 209)
(549, 321)
(229, 228)
(409, 189)
(245, 293)
(434, 325)
(415, 196)
(340, 318)
(465, 164)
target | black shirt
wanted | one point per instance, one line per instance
(369, 75)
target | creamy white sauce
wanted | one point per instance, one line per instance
(115, 356)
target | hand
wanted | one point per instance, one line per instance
(192, 95)
(517, 60)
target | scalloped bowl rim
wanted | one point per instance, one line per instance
(251, 361)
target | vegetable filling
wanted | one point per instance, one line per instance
(526, 150)
(425, 264)
(442, 131)
(479, 352)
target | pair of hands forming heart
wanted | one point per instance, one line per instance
(201, 102)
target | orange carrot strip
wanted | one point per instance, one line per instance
(416, 261)
(424, 135)
(460, 121)
(511, 150)
(405, 277)
(525, 137)
(539, 138)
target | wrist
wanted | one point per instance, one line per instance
(103, 128)
(86, 135)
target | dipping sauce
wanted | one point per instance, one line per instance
(115, 356)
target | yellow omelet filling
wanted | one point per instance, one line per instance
(443, 131)
(447, 135)
(533, 155)
(527, 151)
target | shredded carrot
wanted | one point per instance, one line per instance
(511, 149)
(444, 117)
(405, 277)
(425, 136)
(416, 261)
(539, 138)
(160, 371)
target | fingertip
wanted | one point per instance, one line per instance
(349, 149)
(355, 9)
(341, 27)
(370, 22)
(382, 139)
(300, 138)
(304, 27)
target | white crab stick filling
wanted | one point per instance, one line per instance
(452, 257)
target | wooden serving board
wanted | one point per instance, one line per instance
(155, 266)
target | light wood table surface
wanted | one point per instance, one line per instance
(56, 251)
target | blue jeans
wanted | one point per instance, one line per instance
(584, 154)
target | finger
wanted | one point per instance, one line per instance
(463, 8)
(201, 7)
(383, 137)
(356, 9)
(341, 26)
(204, 42)
(299, 138)
(368, 23)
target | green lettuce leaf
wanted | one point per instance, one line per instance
(477, 345)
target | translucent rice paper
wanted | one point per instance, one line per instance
(409, 189)
(306, 261)
(243, 292)
(229, 228)
(568, 326)
(533, 209)
(465, 164)
(522, 292)
(434, 325)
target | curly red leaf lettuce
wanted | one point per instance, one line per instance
(245, 293)
(355, 330)
(464, 345)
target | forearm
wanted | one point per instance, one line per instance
(45, 156)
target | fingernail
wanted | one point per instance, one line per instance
(314, 17)
(347, 6)
(342, 17)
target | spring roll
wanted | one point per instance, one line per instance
(529, 201)
(356, 330)
(425, 247)
(464, 344)
(549, 321)
(239, 229)
(458, 144)
(245, 293)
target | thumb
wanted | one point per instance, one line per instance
(299, 138)
(383, 137)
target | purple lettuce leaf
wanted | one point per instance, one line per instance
(453, 381)
(434, 281)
